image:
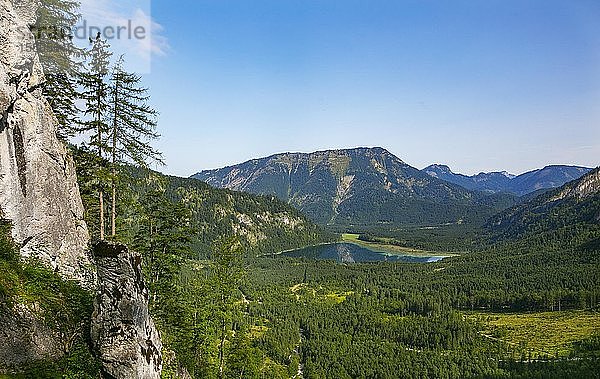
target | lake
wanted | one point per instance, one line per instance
(350, 253)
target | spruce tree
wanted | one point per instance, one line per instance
(95, 95)
(163, 237)
(132, 127)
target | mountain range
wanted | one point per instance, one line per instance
(494, 182)
(361, 186)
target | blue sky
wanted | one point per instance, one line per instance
(478, 85)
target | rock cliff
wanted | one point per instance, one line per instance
(38, 186)
(123, 333)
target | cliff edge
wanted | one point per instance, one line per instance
(39, 194)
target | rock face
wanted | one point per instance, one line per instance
(38, 186)
(123, 333)
(39, 196)
(589, 185)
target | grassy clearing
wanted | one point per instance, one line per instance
(392, 249)
(338, 298)
(257, 331)
(541, 334)
(304, 291)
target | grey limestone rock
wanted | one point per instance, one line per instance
(25, 338)
(123, 333)
(38, 185)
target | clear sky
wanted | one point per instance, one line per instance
(479, 85)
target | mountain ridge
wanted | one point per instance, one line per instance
(548, 177)
(352, 186)
(295, 153)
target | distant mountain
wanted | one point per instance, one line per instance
(548, 177)
(363, 186)
(545, 178)
(566, 215)
(490, 182)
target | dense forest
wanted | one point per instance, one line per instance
(227, 313)
(271, 317)
(396, 319)
(323, 319)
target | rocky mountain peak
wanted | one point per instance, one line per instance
(437, 170)
(360, 185)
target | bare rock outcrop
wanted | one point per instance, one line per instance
(123, 333)
(38, 186)
(588, 185)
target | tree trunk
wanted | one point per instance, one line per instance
(113, 184)
(99, 121)
(101, 215)
(114, 157)
(114, 209)
(222, 350)
(222, 342)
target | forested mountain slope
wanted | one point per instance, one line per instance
(569, 214)
(267, 224)
(362, 186)
(263, 223)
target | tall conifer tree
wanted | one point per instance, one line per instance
(132, 127)
(96, 95)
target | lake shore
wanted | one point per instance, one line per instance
(393, 249)
(386, 249)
